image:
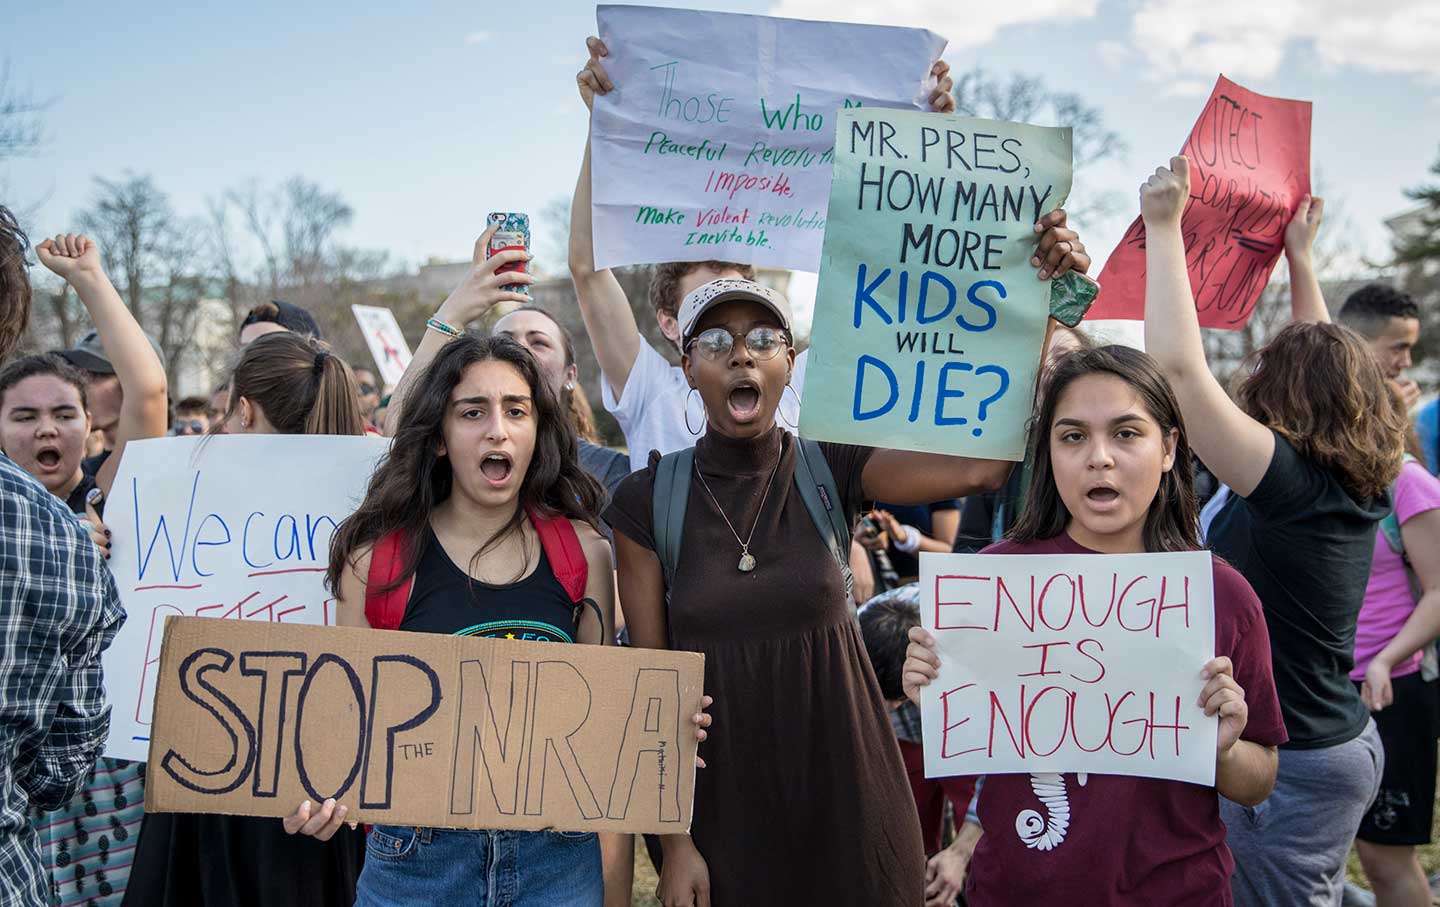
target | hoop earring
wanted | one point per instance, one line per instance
(780, 410)
(693, 431)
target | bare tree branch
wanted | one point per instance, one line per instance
(21, 127)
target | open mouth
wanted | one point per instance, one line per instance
(1102, 495)
(744, 401)
(48, 458)
(496, 467)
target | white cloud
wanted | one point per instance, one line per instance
(966, 24)
(1254, 38)
(477, 37)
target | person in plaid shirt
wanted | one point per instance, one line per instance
(59, 609)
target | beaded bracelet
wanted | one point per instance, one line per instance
(435, 324)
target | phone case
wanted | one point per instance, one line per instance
(1071, 295)
(513, 233)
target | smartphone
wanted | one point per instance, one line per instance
(513, 233)
(1071, 295)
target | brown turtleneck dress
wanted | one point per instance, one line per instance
(804, 799)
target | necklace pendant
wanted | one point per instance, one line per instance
(747, 562)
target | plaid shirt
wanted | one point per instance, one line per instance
(58, 611)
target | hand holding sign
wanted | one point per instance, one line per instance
(593, 79)
(1249, 157)
(1300, 234)
(1223, 698)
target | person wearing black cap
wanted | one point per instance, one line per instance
(278, 315)
(103, 387)
(113, 381)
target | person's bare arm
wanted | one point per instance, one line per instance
(1421, 535)
(913, 477)
(350, 597)
(1307, 302)
(609, 321)
(481, 288)
(1235, 447)
(599, 587)
(144, 407)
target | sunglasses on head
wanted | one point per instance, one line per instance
(762, 342)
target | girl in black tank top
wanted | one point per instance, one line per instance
(480, 442)
(445, 599)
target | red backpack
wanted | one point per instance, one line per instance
(385, 610)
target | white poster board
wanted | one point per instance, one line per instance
(1069, 663)
(230, 526)
(718, 138)
(386, 341)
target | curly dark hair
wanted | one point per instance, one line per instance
(1368, 310)
(414, 478)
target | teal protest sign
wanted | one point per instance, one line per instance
(929, 320)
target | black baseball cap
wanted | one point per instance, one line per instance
(289, 316)
(89, 354)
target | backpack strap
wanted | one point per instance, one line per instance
(818, 490)
(562, 548)
(1390, 525)
(385, 610)
(668, 503)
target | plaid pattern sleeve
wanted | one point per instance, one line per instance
(59, 609)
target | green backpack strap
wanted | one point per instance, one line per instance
(1390, 525)
(813, 480)
(668, 503)
(818, 490)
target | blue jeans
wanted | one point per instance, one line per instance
(428, 866)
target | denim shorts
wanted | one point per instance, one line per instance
(428, 866)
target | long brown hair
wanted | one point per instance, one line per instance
(414, 478)
(14, 282)
(572, 399)
(1172, 520)
(1319, 387)
(301, 386)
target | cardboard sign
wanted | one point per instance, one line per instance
(1249, 167)
(717, 140)
(929, 321)
(1069, 663)
(385, 339)
(234, 526)
(423, 729)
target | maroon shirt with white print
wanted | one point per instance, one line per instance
(1129, 841)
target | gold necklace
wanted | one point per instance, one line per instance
(747, 560)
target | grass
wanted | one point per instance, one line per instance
(643, 893)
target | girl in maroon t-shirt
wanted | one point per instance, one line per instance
(1112, 475)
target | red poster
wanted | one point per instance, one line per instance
(1249, 167)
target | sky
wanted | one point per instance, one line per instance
(427, 116)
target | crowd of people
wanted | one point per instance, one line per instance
(701, 536)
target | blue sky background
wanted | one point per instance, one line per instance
(424, 117)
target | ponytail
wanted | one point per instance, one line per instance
(336, 410)
(302, 387)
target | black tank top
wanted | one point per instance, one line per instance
(445, 599)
